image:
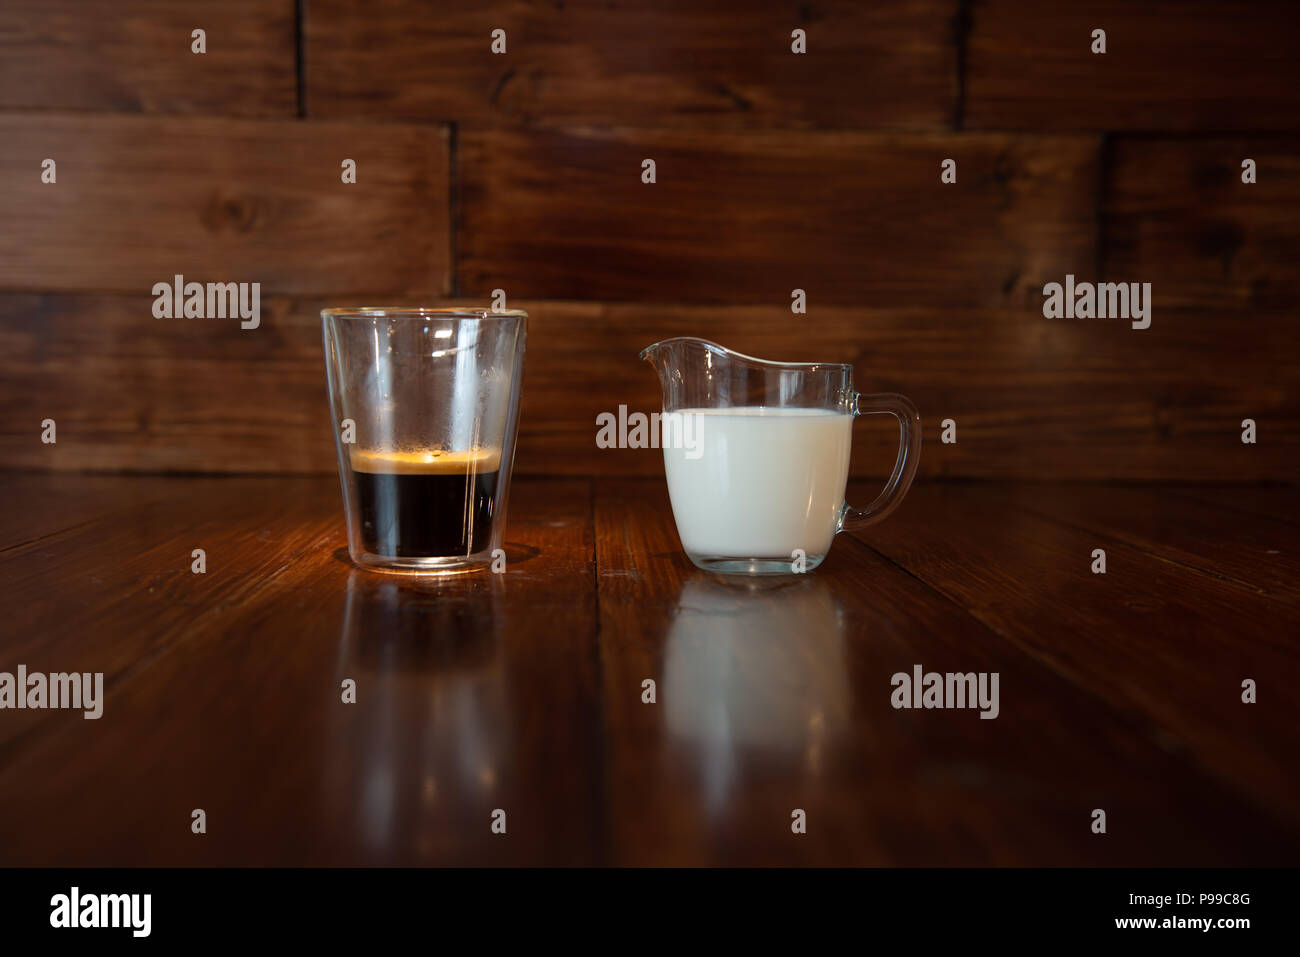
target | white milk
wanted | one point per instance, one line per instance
(761, 482)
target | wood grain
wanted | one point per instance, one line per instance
(1199, 65)
(138, 200)
(685, 64)
(131, 392)
(55, 502)
(223, 691)
(774, 695)
(1178, 216)
(1278, 502)
(128, 572)
(851, 218)
(523, 691)
(1210, 537)
(1032, 398)
(1154, 639)
(70, 55)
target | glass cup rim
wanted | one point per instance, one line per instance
(419, 312)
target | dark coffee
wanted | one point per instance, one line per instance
(426, 504)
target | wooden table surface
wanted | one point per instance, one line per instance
(523, 691)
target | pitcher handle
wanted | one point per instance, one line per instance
(909, 456)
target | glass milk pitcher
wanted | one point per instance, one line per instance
(757, 455)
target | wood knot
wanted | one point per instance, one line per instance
(237, 213)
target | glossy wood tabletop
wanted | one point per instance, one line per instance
(523, 692)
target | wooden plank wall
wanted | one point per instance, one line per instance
(775, 171)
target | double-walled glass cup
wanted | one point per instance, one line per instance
(426, 408)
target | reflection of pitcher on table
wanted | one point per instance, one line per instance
(757, 455)
(756, 670)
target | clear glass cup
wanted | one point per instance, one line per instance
(426, 408)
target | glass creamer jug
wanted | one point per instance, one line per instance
(757, 455)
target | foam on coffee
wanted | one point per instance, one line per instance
(424, 461)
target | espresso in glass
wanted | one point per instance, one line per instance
(418, 503)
